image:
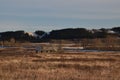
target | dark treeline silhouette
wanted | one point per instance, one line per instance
(70, 33)
(78, 33)
(116, 29)
(39, 32)
(17, 35)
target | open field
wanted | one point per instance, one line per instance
(25, 64)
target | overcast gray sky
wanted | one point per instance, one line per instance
(31, 15)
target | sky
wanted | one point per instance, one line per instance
(47, 15)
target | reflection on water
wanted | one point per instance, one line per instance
(85, 50)
(68, 50)
(2, 47)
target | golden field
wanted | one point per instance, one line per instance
(25, 64)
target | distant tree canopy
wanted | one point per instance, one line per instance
(100, 34)
(17, 35)
(116, 29)
(76, 33)
(39, 32)
(70, 33)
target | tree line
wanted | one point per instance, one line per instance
(70, 33)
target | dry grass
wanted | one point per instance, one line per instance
(22, 64)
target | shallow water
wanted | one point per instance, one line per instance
(85, 50)
(70, 50)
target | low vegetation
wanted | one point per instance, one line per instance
(25, 64)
